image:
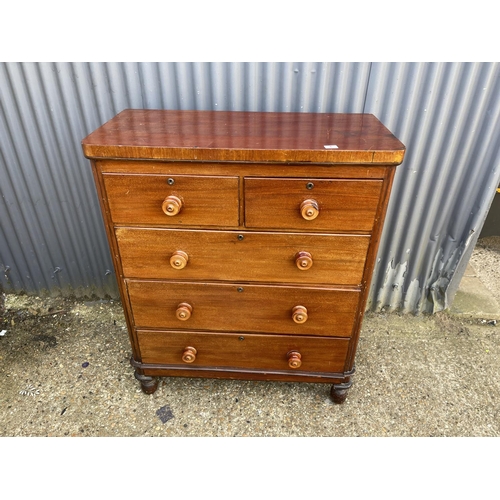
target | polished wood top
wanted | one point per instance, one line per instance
(245, 136)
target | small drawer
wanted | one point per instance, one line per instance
(181, 200)
(242, 256)
(311, 204)
(243, 307)
(251, 351)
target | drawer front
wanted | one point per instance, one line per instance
(330, 205)
(243, 307)
(264, 352)
(182, 200)
(243, 256)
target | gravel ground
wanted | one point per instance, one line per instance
(64, 371)
(486, 262)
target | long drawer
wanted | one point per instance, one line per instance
(264, 352)
(242, 256)
(243, 307)
(183, 200)
(311, 204)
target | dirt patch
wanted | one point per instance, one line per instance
(485, 260)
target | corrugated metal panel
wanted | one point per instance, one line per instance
(51, 227)
(52, 237)
(448, 115)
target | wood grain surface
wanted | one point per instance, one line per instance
(242, 255)
(243, 307)
(264, 352)
(344, 205)
(206, 200)
(260, 169)
(245, 136)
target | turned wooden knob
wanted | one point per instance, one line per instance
(184, 311)
(294, 359)
(309, 209)
(299, 314)
(303, 260)
(189, 354)
(172, 205)
(179, 259)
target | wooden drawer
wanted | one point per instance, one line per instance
(243, 307)
(243, 256)
(341, 205)
(205, 200)
(265, 352)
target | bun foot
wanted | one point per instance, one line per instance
(148, 384)
(338, 392)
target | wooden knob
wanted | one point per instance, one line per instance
(179, 259)
(172, 205)
(184, 311)
(294, 359)
(309, 209)
(189, 354)
(303, 260)
(299, 314)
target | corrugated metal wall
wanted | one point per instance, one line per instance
(52, 238)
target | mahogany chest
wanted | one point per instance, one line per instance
(243, 242)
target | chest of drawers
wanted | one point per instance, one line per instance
(243, 242)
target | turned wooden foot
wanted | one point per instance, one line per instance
(338, 392)
(148, 384)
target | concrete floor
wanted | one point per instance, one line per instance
(64, 371)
